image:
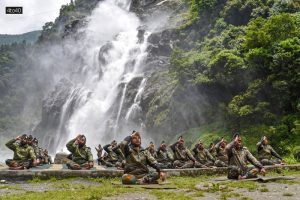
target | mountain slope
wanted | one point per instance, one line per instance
(30, 37)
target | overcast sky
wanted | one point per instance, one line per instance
(35, 14)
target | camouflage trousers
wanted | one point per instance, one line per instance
(206, 163)
(234, 172)
(149, 178)
(15, 164)
(112, 163)
(270, 162)
(76, 166)
(220, 163)
(165, 165)
(182, 164)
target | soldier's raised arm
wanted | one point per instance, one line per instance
(123, 146)
(217, 146)
(195, 149)
(229, 148)
(173, 146)
(210, 157)
(106, 148)
(71, 146)
(259, 145)
(11, 144)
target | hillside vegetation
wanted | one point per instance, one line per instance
(248, 65)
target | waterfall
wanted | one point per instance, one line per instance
(112, 34)
(135, 108)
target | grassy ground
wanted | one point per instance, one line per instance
(202, 187)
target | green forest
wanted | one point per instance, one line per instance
(30, 37)
(248, 64)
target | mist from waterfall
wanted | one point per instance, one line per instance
(112, 35)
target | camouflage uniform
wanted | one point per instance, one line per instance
(164, 158)
(112, 159)
(238, 159)
(137, 160)
(99, 154)
(183, 157)
(212, 150)
(203, 156)
(23, 155)
(265, 153)
(46, 157)
(221, 156)
(80, 155)
(151, 150)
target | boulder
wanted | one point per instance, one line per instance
(61, 158)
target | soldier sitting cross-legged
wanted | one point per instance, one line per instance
(238, 156)
(136, 169)
(24, 156)
(81, 156)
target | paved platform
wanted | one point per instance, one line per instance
(60, 171)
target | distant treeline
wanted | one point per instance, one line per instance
(29, 37)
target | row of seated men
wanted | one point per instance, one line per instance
(181, 157)
(136, 159)
(27, 153)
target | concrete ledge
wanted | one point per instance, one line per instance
(66, 173)
(220, 170)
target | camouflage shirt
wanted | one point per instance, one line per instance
(21, 152)
(152, 152)
(164, 156)
(137, 158)
(239, 157)
(266, 152)
(80, 155)
(182, 153)
(203, 155)
(111, 154)
(213, 151)
(221, 153)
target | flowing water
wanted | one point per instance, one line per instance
(113, 58)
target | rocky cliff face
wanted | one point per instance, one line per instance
(150, 102)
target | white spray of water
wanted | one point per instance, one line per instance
(135, 108)
(110, 22)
